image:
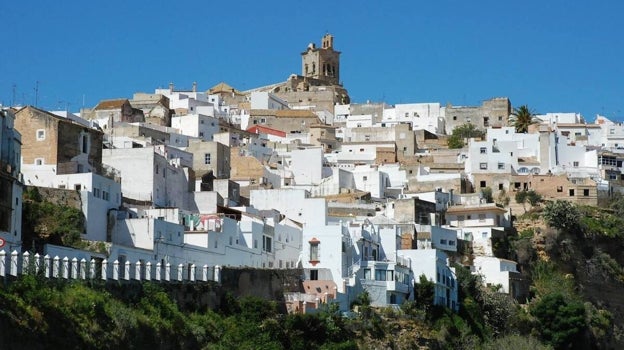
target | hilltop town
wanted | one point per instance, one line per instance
(176, 184)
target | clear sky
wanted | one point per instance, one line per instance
(555, 56)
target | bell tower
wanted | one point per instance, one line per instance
(322, 63)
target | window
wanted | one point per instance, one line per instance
(586, 193)
(267, 243)
(314, 275)
(84, 144)
(501, 166)
(483, 150)
(38, 161)
(486, 121)
(481, 217)
(484, 235)
(201, 134)
(454, 117)
(451, 243)
(96, 192)
(571, 192)
(559, 188)
(443, 241)
(575, 164)
(361, 149)
(40, 134)
(500, 187)
(207, 158)
(364, 178)
(483, 166)
(482, 183)
(314, 250)
(105, 195)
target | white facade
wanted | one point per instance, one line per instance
(197, 125)
(266, 100)
(422, 116)
(433, 264)
(148, 176)
(496, 272)
(359, 121)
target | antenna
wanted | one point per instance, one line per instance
(36, 93)
(13, 100)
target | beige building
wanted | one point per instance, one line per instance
(210, 157)
(318, 87)
(322, 63)
(324, 136)
(290, 121)
(492, 113)
(48, 139)
(155, 108)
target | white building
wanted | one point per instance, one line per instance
(197, 125)
(498, 272)
(266, 100)
(422, 116)
(150, 177)
(11, 185)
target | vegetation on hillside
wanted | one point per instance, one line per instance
(46, 222)
(570, 254)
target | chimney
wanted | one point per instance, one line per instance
(194, 86)
(170, 87)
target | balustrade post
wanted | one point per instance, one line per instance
(116, 270)
(37, 263)
(46, 265)
(65, 267)
(14, 260)
(26, 269)
(168, 272)
(137, 270)
(83, 269)
(148, 271)
(56, 266)
(74, 268)
(192, 273)
(217, 273)
(158, 272)
(127, 270)
(104, 269)
(205, 273)
(2, 263)
(180, 272)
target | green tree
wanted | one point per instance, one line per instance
(561, 323)
(424, 293)
(486, 193)
(563, 216)
(462, 132)
(523, 117)
(533, 198)
(521, 198)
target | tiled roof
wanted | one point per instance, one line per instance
(283, 113)
(222, 87)
(111, 104)
(256, 129)
(457, 209)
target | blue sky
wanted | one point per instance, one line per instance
(555, 56)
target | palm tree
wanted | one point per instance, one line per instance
(522, 117)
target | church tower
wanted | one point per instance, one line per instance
(322, 63)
